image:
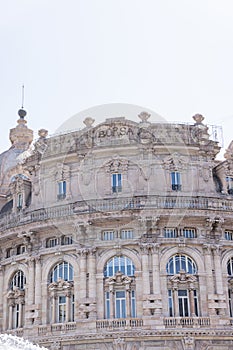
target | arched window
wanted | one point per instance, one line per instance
(18, 280)
(180, 262)
(230, 285)
(63, 271)
(119, 264)
(16, 300)
(61, 292)
(119, 287)
(183, 286)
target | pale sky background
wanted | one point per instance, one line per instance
(174, 57)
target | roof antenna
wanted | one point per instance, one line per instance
(22, 95)
(22, 113)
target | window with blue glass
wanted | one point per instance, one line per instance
(182, 287)
(119, 264)
(116, 183)
(61, 190)
(62, 271)
(119, 285)
(176, 181)
(179, 263)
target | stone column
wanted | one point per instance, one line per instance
(92, 274)
(1, 294)
(38, 292)
(20, 313)
(31, 282)
(54, 297)
(218, 270)
(145, 270)
(191, 301)
(208, 269)
(38, 281)
(83, 273)
(10, 320)
(68, 306)
(128, 304)
(156, 270)
(112, 304)
(175, 301)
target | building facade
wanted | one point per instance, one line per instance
(117, 236)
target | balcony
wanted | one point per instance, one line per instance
(186, 322)
(9, 220)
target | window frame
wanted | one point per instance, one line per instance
(116, 182)
(176, 183)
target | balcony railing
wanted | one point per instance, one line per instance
(9, 220)
(171, 322)
(119, 323)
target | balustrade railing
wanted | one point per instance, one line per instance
(119, 323)
(9, 220)
(171, 322)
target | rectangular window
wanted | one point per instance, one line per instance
(16, 316)
(107, 305)
(189, 233)
(183, 302)
(133, 304)
(126, 234)
(67, 240)
(21, 249)
(61, 309)
(72, 308)
(120, 302)
(108, 235)
(229, 235)
(230, 302)
(170, 232)
(19, 200)
(61, 190)
(229, 181)
(52, 242)
(170, 303)
(196, 302)
(176, 181)
(116, 183)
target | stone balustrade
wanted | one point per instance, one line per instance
(10, 220)
(173, 322)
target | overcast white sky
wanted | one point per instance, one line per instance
(174, 57)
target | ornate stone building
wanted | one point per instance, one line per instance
(117, 236)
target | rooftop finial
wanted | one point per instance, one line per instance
(22, 113)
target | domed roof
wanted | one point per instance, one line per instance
(21, 137)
